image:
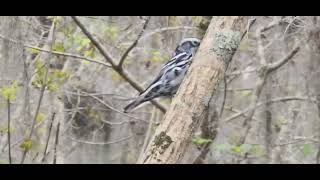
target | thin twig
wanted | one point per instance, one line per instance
(281, 99)
(57, 53)
(295, 142)
(170, 29)
(75, 56)
(56, 144)
(48, 138)
(125, 54)
(112, 108)
(260, 48)
(116, 96)
(284, 60)
(264, 72)
(148, 134)
(111, 60)
(250, 23)
(99, 143)
(289, 25)
(9, 133)
(43, 88)
(74, 111)
(232, 109)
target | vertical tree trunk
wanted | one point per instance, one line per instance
(190, 105)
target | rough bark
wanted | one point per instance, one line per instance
(189, 107)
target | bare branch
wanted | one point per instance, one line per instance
(284, 60)
(232, 109)
(112, 108)
(43, 88)
(111, 60)
(48, 138)
(250, 23)
(170, 29)
(264, 71)
(9, 133)
(94, 41)
(115, 96)
(260, 47)
(125, 54)
(148, 134)
(56, 144)
(57, 53)
(99, 143)
(281, 99)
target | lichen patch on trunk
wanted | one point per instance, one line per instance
(226, 44)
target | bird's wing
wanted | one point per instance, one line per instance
(164, 68)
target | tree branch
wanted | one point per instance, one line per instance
(112, 108)
(56, 144)
(148, 134)
(281, 99)
(125, 54)
(9, 133)
(43, 88)
(113, 63)
(56, 52)
(170, 29)
(276, 65)
(264, 71)
(48, 138)
(100, 143)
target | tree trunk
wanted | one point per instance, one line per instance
(190, 106)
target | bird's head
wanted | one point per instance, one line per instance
(190, 45)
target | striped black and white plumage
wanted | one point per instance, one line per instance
(171, 74)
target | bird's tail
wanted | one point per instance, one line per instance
(134, 104)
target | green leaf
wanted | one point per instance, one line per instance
(9, 92)
(156, 56)
(237, 149)
(86, 62)
(41, 117)
(111, 31)
(52, 87)
(68, 30)
(307, 149)
(59, 47)
(4, 129)
(33, 51)
(88, 53)
(26, 144)
(55, 19)
(79, 48)
(201, 141)
(84, 42)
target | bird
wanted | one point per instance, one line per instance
(171, 74)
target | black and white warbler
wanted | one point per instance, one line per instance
(171, 74)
